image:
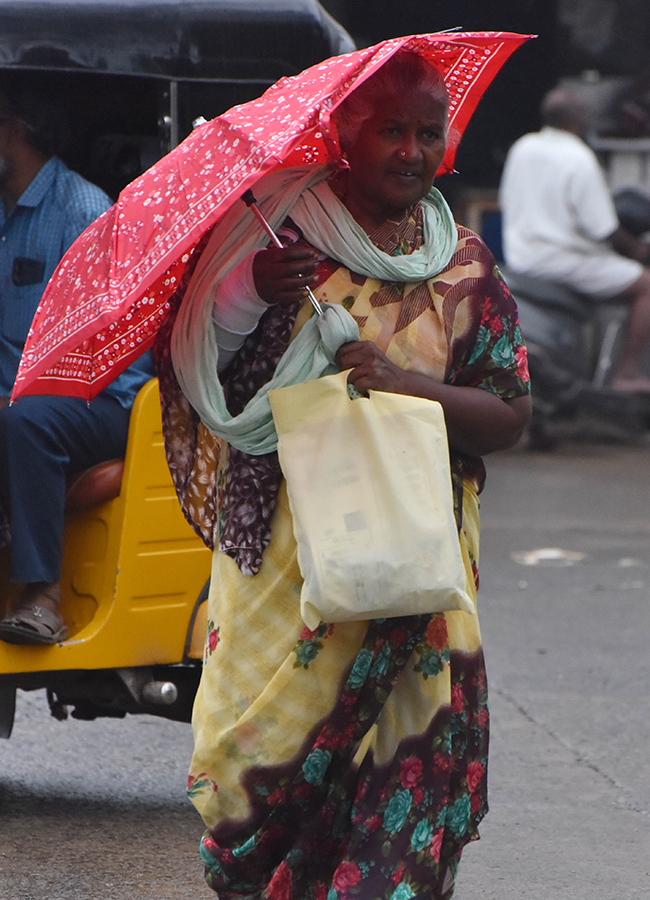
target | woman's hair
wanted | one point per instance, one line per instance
(403, 73)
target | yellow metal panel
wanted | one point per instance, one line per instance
(132, 568)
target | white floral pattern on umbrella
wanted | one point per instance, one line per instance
(109, 295)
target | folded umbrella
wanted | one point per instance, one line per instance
(110, 293)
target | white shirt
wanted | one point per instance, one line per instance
(554, 201)
(237, 310)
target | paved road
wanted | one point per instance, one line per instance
(568, 653)
(92, 811)
(96, 810)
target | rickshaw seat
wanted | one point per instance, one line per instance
(95, 485)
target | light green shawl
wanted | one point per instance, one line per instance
(326, 224)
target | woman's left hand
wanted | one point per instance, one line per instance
(371, 369)
(478, 421)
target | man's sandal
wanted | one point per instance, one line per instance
(32, 624)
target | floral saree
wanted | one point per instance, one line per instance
(349, 761)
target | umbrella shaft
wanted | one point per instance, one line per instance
(278, 243)
(265, 225)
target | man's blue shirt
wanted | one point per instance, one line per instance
(51, 213)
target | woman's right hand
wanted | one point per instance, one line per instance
(282, 274)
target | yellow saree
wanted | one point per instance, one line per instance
(349, 761)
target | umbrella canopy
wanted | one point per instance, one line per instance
(110, 293)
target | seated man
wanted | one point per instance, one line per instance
(560, 224)
(43, 439)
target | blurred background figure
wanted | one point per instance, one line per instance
(45, 206)
(560, 224)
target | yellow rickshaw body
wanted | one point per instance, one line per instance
(133, 570)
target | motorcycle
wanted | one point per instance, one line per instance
(573, 346)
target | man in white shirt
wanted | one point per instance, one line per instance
(560, 224)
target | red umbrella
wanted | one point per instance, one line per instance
(110, 293)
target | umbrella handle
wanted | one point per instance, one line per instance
(251, 203)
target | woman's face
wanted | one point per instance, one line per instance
(395, 157)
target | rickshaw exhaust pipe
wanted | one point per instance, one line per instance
(146, 690)
(160, 693)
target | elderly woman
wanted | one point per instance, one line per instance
(348, 761)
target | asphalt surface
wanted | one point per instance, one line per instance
(567, 645)
(92, 811)
(96, 810)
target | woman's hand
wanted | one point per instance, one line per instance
(478, 422)
(281, 275)
(371, 369)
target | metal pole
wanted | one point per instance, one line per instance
(251, 203)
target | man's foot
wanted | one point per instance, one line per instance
(638, 385)
(36, 619)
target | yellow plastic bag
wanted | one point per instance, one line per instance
(369, 487)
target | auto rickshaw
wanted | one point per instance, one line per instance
(135, 74)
